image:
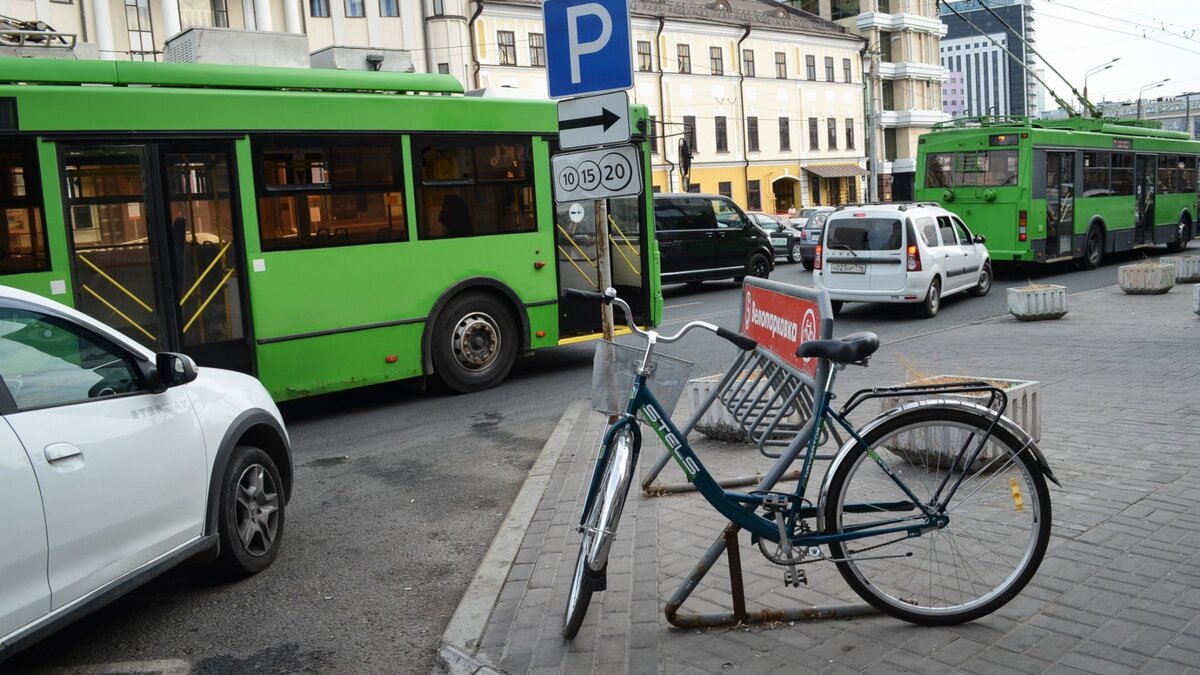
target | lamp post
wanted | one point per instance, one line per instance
(1094, 70)
(1152, 85)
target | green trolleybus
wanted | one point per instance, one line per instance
(1071, 189)
(320, 229)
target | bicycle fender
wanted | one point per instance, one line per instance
(603, 456)
(1004, 422)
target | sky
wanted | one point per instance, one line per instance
(1154, 40)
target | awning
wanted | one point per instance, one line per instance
(836, 170)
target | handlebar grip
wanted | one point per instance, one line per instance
(579, 294)
(744, 343)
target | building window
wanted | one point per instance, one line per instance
(444, 68)
(886, 95)
(141, 37)
(844, 9)
(356, 9)
(829, 69)
(754, 195)
(752, 133)
(814, 134)
(780, 65)
(883, 6)
(832, 133)
(849, 133)
(722, 139)
(725, 189)
(810, 67)
(689, 132)
(389, 7)
(694, 187)
(645, 64)
(652, 133)
(716, 61)
(748, 62)
(508, 47)
(439, 8)
(319, 9)
(537, 49)
(685, 58)
(220, 12)
(785, 134)
(885, 46)
(846, 70)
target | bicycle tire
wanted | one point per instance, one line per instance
(599, 530)
(988, 550)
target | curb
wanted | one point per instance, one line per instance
(461, 637)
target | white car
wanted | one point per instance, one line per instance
(117, 463)
(907, 252)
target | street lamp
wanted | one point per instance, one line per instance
(1152, 85)
(1096, 69)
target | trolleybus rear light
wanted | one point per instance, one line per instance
(1023, 226)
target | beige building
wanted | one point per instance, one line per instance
(903, 63)
(770, 97)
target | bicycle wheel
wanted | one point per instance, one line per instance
(997, 522)
(599, 530)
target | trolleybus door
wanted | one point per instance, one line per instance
(1060, 202)
(156, 246)
(1144, 168)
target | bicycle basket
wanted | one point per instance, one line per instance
(616, 365)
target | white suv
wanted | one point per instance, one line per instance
(907, 252)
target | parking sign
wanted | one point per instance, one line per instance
(588, 48)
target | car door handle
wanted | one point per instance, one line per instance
(57, 452)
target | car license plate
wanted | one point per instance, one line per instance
(847, 268)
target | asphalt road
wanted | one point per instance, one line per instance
(398, 495)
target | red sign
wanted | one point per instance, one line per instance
(780, 323)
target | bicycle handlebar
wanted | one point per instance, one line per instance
(609, 296)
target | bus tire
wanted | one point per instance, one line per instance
(474, 343)
(1093, 248)
(1183, 235)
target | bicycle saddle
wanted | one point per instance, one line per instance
(851, 348)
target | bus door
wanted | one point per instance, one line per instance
(1144, 168)
(156, 246)
(1060, 202)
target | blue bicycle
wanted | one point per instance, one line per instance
(936, 512)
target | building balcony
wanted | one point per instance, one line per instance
(906, 70)
(890, 119)
(899, 22)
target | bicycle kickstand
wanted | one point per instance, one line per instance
(777, 504)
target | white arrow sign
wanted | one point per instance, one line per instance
(589, 121)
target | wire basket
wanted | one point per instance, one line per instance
(616, 365)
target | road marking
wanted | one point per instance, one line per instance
(158, 667)
(682, 304)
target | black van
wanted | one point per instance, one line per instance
(708, 237)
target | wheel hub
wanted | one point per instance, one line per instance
(476, 341)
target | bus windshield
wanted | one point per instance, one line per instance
(975, 168)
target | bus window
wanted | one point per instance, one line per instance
(1095, 174)
(982, 168)
(1121, 182)
(22, 234)
(937, 169)
(316, 191)
(473, 186)
(1168, 174)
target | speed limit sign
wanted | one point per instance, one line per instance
(597, 174)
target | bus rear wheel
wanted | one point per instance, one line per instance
(474, 343)
(1093, 249)
(1182, 236)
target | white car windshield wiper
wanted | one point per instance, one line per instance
(844, 247)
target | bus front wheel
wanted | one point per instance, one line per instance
(474, 343)
(1093, 249)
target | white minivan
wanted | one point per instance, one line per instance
(905, 252)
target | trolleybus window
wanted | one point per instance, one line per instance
(983, 168)
(473, 186)
(22, 236)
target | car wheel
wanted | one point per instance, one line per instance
(794, 253)
(933, 299)
(985, 282)
(836, 306)
(1093, 249)
(251, 512)
(474, 343)
(807, 262)
(758, 266)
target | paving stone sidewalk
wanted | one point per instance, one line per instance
(1118, 591)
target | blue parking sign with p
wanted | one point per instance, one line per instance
(588, 48)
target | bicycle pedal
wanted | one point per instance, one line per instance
(774, 502)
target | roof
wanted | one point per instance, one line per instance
(744, 13)
(836, 170)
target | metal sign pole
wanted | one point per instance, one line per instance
(603, 266)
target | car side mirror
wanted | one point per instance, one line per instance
(172, 369)
(980, 239)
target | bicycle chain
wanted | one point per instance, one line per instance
(824, 558)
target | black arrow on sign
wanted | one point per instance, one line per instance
(607, 118)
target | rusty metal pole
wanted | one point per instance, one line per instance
(603, 266)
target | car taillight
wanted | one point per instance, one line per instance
(1023, 226)
(914, 258)
(817, 257)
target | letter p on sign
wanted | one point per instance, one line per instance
(588, 47)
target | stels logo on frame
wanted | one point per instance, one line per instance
(780, 323)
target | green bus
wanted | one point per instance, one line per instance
(1054, 190)
(320, 229)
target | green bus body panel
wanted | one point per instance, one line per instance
(322, 319)
(997, 218)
